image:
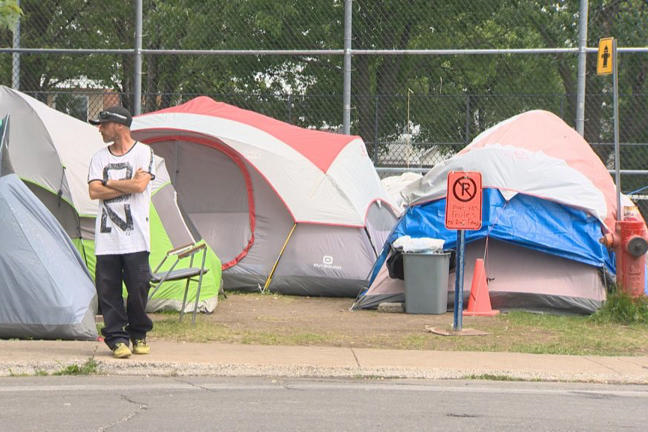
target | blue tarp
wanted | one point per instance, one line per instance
(524, 220)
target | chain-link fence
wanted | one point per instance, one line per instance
(413, 107)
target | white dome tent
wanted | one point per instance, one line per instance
(288, 209)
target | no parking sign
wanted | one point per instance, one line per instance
(463, 212)
(464, 200)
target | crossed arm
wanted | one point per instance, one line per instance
(115, 188)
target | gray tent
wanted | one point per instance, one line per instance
(45, 288)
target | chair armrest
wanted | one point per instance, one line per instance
(180, 250)
(192, 251)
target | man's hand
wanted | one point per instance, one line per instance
(139, 175)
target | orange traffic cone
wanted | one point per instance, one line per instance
(479, 301)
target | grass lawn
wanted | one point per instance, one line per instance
(290, 320)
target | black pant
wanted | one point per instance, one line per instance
(122, 324)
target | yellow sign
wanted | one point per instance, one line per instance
(604, 61)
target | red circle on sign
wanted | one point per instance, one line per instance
(470, 193)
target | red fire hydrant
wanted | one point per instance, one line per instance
(630, 243)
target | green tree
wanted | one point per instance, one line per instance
(75, 24)
(450, 98)
(271, 84)
(9, 14)
(443, 105)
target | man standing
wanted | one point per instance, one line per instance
(119, 177)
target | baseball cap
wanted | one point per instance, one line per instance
(115, 114)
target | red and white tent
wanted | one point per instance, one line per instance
(286, 208)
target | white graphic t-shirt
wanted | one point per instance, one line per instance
(122, 224)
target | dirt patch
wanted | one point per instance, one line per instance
(292, 320)
(331, 316)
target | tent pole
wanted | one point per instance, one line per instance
(274, 267)
(371, 242)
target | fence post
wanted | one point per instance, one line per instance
(15, 57)
(582, 57)
(137, 79)
(346, 108)
(617, 149)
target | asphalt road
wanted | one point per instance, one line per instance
(103, 403)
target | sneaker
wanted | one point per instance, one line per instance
(121, 350)
(141, 347)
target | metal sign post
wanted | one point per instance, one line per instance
(457, 323)
(606, 64)
(463, 211)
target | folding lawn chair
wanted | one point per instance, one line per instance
(190, 273)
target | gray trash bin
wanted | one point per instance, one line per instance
(426, 282)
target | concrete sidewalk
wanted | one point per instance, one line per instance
(18, 357)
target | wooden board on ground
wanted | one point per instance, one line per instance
(451, 332)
